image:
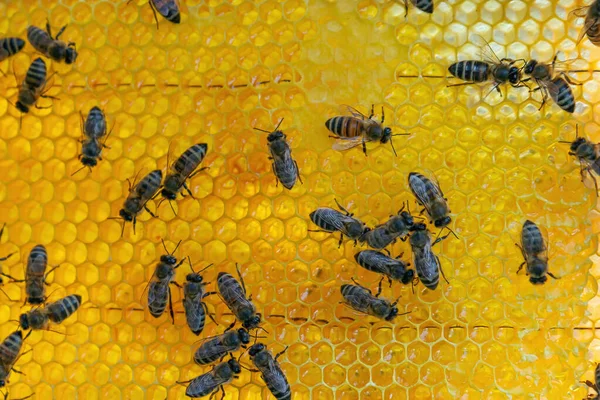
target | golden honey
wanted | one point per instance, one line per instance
(232, 65)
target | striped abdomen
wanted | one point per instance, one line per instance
(39, 39)
(276, 381)
(471, 70)
(35, 275)
(190, 159)
(532, 239)
(562, 94)
(36, 75)
(213, 349)
(234, 296)
(95, 124)
(379, 238)
(168, 9)
(593, 21)
(427, 267)
(195, 314)
(10, 46)
(158, 295)
(9, 352)
(345, 126)
(327, 219)
(63, 308)
(424, 5)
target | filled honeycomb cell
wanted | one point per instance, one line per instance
(232, 66)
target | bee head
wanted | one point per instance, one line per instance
(234, 365)
(419, 227)
(89, 161)
(24, 321)
(70, 55)
(244, 336)
(22, 107)
(408, 277)
(392, 314)
(277, 135)
(440, 223)
(168, 194)
(126, 215)
(514, 75)
(386, 136)
(168, 259)
(530, 66)
(255, 349)
(407, 218)
(577, 143)
(197, 278)
(252, 322)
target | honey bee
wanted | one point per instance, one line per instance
(393, 269)
(234, 296)
(427, 264)
(33, 86)
(93, 128)
(159, 291)
(52, 48)
(139, 195)
(9, 353)
(285, 168)
(358, 129)
(213, 381)
(10, 46)
(591, 26)
(2, 274)
(330, 220)
(595, 386)
(182, 170)
(385, 234)
(217, 347)
(57, 312)
(423, 5)
(555, 86)
(490, 68)
(193, 304)
(588, 155)
(362, 300)
(35, 275)
(535, 254)
(430, 196)
(270, 371)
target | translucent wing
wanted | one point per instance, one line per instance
(580, 12)
(486, 52)
(589, 22)
(348, 143)
(355, 113)
(425, 192)
(157, 292)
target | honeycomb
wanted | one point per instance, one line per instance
(232, 65)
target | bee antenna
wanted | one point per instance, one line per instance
(164, 246)
(266, 331)
(392, 144)
(452, 232)
(176, 247)
(262, 130)
(78, 170)
(279, 124)
(208, 266)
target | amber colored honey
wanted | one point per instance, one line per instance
(233, 65)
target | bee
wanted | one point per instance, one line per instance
(213, 380)
(595, 386)
(430, 196)
(270, 371)
(52, 48)
(330, 220)
(217, 347)
(423, 5)
(234, 296)
(139, 195)
(33, 87)
(193, 294)
(361, 299)
(2, 274)
(35, 275)
(555, 86)
(393, 269)
(490, 68)
(588, 155)
(182, 170)
(427, 264)
(535, 254)
(591, 26)
(358, 129)
(385, 234)
(159, 291)
(10, 46)
(169, 9)
(57, 312)
(93, 129)
(285, 168)
(9, 353)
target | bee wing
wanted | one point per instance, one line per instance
(589, 22)
(423, 196)
(355, 113)
(208, 382)
(344, 143)
(580, 12)
(155, 291)
(485, 51)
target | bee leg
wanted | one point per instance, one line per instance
(364, 146)
(372, 111)
(209, 314)
(11, 278)
(187, 189)
(343, 209)
(441, 270)
(341, 240)
(522, 252)
(154, 12)
(550, 273)
(387, 252)
(379, 288)
(149, 212)
(280, 353)
(48, 273)
(520, 267)
(229, 327)
(382, 114)
(197, 172)
(48, 29)
(8, 256)
(276, 180)
(171, 307)
(390, 281)
(60, 32)
(237, 268)
(298, 172)
(405, 8)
